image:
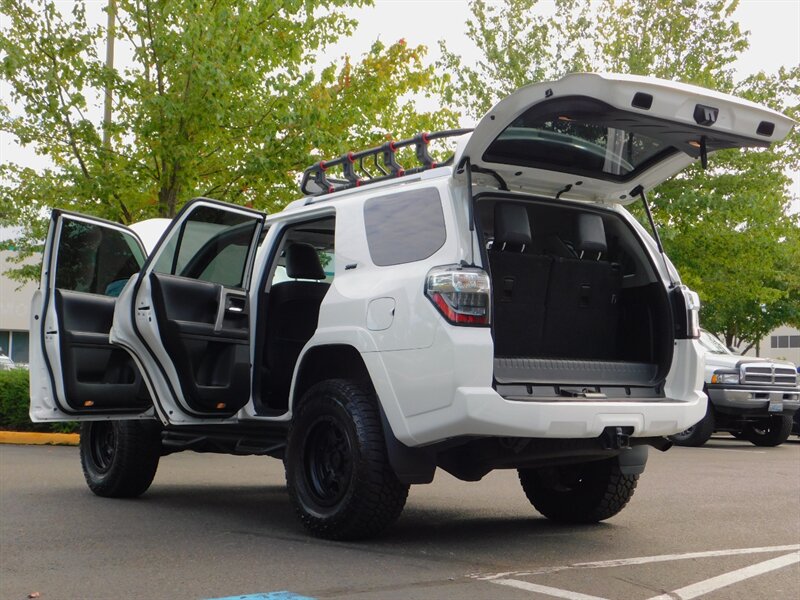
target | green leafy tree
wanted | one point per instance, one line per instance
(729, 229)
(219, 98)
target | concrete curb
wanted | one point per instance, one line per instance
(39, 439)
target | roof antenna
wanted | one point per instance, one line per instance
(567, 188)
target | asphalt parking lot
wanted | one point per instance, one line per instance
(722, 521)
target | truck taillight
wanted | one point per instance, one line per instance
(686, 306)
(462, 294)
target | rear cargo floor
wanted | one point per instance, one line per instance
(573, 372)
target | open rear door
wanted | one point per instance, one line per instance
(599, 137)
(187, 316)
(76, 374)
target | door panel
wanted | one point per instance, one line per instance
(212, 362)
(76, 373)
(96, 375)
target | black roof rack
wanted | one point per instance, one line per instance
(357, 174)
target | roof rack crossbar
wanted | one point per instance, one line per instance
(357, 174)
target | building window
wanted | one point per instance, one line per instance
(19, 347)
(794, 341)
(14, 344)
(5, 342)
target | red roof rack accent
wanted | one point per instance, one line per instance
(389, 168)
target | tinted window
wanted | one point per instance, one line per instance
(404, 227)
(95, 259)
(211, 245)
(587, 137)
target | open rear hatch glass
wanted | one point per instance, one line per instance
(594, 137)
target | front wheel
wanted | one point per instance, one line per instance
(582, 493)
(120, 458)
(337, 468)
(772, 431)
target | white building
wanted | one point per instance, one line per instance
(782, 343)
(15, 300)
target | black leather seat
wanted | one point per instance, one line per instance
(519, 280)
(583, 297)
(292, 318)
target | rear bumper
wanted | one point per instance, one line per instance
(445, 391)
(483, 412)
(749, 399)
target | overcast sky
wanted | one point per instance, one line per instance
(774, 41)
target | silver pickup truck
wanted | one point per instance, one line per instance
(752, 398)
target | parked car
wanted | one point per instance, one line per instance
(752, 398)
(6, 364)
(500, 309)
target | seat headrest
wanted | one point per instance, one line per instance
(302, 262)
(591, 233)
(511, 225)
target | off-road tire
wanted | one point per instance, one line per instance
(120, 458)
(699, 433)
(338, 474)
(773, 431)
(583, 493)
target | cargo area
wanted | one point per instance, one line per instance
(577, 305)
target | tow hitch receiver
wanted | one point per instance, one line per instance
(616, 438)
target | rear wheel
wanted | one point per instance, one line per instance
(699, 433)
(337, 468)
(120, 458)
(583, 493)
(772, 431)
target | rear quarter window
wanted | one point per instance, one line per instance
(404, 227)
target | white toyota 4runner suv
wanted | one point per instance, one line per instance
(499, 310)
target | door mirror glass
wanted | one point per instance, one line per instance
(95, 259)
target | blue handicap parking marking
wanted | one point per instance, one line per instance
(284, 595)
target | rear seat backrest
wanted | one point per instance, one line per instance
(292, 316)
(582, 299)
(519, 280)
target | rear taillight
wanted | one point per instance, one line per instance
(462, 294)
(686, 306)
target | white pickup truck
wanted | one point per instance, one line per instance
(752, 398)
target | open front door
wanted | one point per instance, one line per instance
(76, 374)
(187, 316)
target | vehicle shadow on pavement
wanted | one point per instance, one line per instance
(265, 511)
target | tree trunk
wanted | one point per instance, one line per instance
(167, 200)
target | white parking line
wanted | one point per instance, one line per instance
(544, 589)
(689, 592)
(709, 585)
(641, 560)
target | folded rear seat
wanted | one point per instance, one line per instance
(519, 280)
(582, 306)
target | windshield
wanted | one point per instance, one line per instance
(711, 344)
